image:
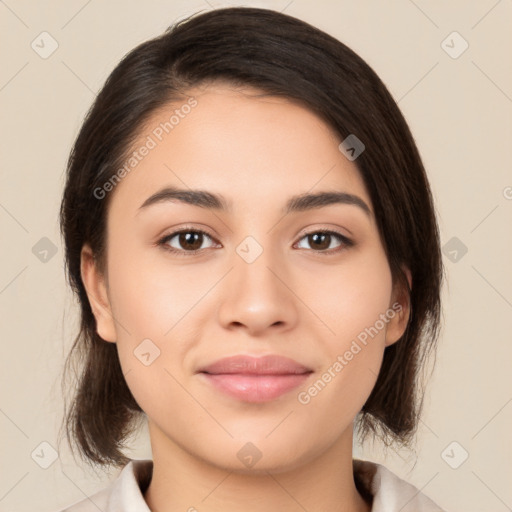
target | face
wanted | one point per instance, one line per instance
(240, 274)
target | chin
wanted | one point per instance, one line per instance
(257, 454)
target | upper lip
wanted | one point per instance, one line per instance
(249, 365)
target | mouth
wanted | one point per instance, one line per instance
(255, 379)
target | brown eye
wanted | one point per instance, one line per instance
(190, 240)
(320, 241)
(184, 241)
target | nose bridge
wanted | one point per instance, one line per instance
(255, 265)
(254, 294)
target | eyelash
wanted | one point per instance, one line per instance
(345, 242)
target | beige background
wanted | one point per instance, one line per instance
(459, 110)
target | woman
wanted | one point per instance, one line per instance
(252, 238)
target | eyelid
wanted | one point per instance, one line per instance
(322, 229)
(346, 242)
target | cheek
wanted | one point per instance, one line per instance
(351, 302)
(155, 306)
(150, 296)
(152, 344)
(350, 298)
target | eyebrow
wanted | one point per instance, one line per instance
(298, 203)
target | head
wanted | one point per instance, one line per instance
(252, 107)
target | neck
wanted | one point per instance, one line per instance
(183, 482)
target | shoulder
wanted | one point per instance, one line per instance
(390, 492)
(124, 493)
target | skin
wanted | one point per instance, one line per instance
(293, 300)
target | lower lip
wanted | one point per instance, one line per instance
(255, 388)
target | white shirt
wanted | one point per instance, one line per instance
(125, 494)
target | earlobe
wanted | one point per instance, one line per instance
(96, 289)
(401, 305)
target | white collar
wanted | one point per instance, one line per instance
(124, 494)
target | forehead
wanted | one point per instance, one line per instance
(251, 148)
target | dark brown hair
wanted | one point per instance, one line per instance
(281, 56)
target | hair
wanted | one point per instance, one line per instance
(280, 56)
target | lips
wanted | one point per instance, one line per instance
(252, 379)
(248, 365)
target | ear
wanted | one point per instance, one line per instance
(96, 289)
(401, 305)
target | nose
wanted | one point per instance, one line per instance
(257, 297)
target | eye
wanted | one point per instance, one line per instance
(189, 241)
(321, 241)
(184, 241)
